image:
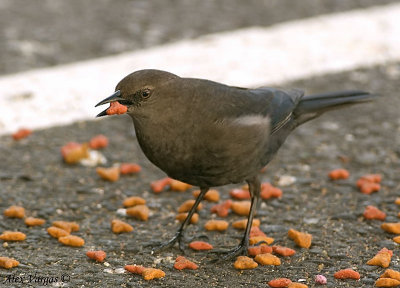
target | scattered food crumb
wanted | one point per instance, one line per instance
(73, 152)
(300, 238)
(373, 213)
(216, 225)
(176, 185)
(152, 273)
(21, 134)
(200, 245)
(320, 279)
(279, 282)
(12, 236)
(268, 191)
(222, 209)
(133, 201)
(129, 168)
(240, 194)
(244, 262)
(183, 263)
(256, 231)
(347, 274)
(393, 228)
(136, 269)
(283, 251)
(99, 255)
(390, 273)
(369, 183)
(339, 174)
(267, 259)
(387, 282)
(297, 285)
(72, 240)
(254, 240)
(31, 221)
(57, 232)
(187, 205)
(260, 249)
(15, 212)
(382, 258)
(67, 226)
(241, 208)
(8, 263)
(159, 185)
(118, 226)
(140, 212)
(98, 142)
(109, 174)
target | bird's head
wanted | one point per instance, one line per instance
(136, 91)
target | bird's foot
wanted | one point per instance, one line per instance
(239, 250)
(159, 246)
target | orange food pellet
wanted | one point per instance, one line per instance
(129, 168)
(260, 239)
(390, 273)
(261, 249)
(57, 232)
(15, 212)
(369, 183)
(216, 225)
(98, 142)
(397, 201)
(339, 174)
(182, 216)
(279, 282)
(382, 258)
(222, 209)
(140, 212)
(393, 228)
(283, 251)
(159, 185)
(116, 108)
(152, 273)
(31, 221)
(200, 245)
(176, 185)
(387, 282)
(240, 194)
(12, 236)
(187, 205)
(396, 239)
(183, 263)
(256, 231)
(118, 226)
(267, 259)
(244, 262)
(8, 263)
(67, 226)
(212, 195)
(297, 285)
(241, 208)
(99, 255)
(109, 174)
(73, 152)
(136, 269)
(347, 274)
(373, 213)
(72, 240)
(21, 133)
(133, 201)
(241, 224)
(300, 238)
(268, 191)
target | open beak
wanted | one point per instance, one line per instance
(114, 97)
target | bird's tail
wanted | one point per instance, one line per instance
(312, 106)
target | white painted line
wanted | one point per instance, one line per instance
(247, 57)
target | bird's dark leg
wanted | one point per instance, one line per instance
(179, 234)
(254, 188)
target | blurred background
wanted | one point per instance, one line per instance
(42, 33)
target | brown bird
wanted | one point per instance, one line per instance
(209, 134)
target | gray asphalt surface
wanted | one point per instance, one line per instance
(33, 175)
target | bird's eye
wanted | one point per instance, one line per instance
(145, 93)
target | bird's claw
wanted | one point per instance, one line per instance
(239, 250)
(161, 246)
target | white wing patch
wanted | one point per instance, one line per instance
(252, 120)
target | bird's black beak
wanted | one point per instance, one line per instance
(114, 97)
